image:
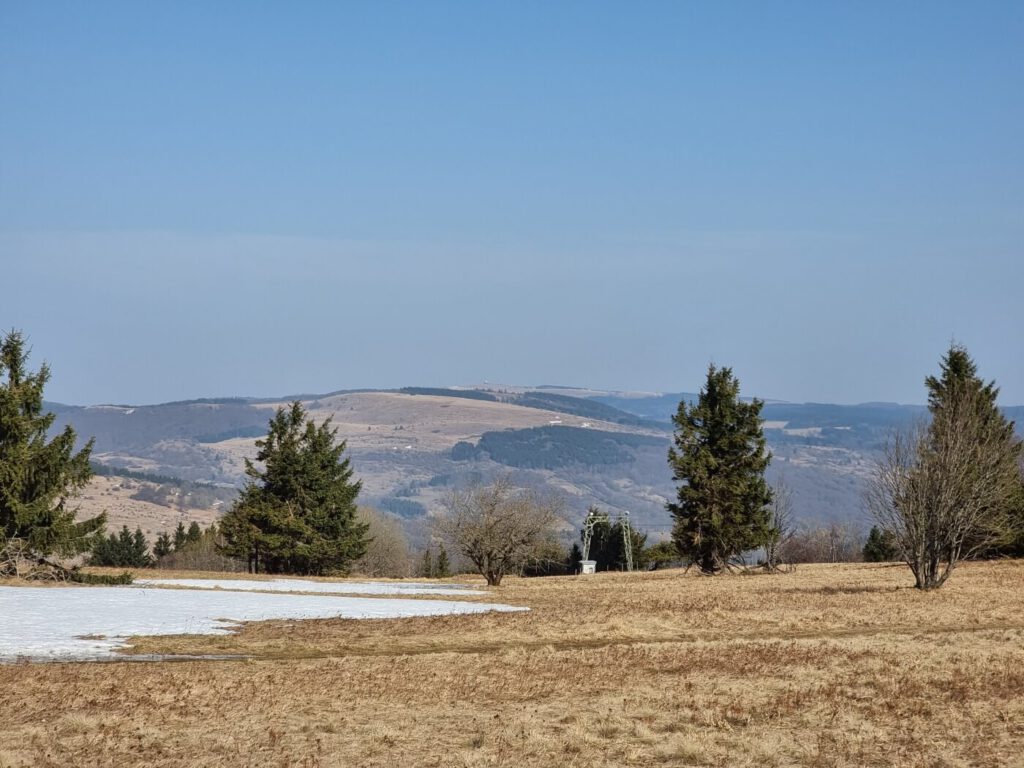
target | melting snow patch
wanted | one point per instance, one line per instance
(331, 587)
(78, 623)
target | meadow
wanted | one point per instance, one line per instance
(831, 665)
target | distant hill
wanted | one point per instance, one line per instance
(411, 446)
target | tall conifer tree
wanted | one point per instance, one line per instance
(298, 512)
(718, 460)
(39, 478)
(958, 386)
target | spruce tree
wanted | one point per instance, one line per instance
(122, 550)
(427, 566)
(948, 491)
(163, 546)
(718, 460)
(575, 557)
(442, 570)
(194, 534)
(958, 386)
(39, 478)
(297, 514)
(180, 537)
(880, 546)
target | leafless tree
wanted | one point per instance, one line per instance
(387, 552)
(944, 490)
(782, 529)
(498, 527)
(832, 544)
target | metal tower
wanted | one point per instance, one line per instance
(593, 518)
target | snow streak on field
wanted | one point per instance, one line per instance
(77, 623)
(300, 585)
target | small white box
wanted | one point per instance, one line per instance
(588, 566)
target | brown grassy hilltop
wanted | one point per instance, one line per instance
(840, 665)
(114, 495)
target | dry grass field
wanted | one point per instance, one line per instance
(827, 666)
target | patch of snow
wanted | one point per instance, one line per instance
(305, 585)
(81, 623)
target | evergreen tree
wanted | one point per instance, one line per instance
(719, 459)
(661, 555)
(880, 546)
(38, 478)
(180, 537)
(123, 550)
(948, 491)
(442, 570)
(572, 563)
(427, 566)
(959, 386)
(163, 546)
(194, 534)
(298, 513)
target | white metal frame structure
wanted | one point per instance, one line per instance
(593, 518)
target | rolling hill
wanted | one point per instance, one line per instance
(411, 446)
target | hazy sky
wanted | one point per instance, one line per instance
(204, 199)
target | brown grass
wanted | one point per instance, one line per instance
(113, 495)
(829, 666)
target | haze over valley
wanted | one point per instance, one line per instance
(173, 462)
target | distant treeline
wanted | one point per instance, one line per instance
(253, 431)
(556, 446)
(170, 491)
(105, 470)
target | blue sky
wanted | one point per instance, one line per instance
(202, 199)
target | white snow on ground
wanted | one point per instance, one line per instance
(301, 585)
(48, 623)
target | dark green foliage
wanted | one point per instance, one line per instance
(194, 534)
(557, 446)
(122, 550)
(427, 566)
(163, 546)
(442, 569)
(120, 579)
(180, 537)
(880, 547)
(105, 470)
(298, 513)
(38, 478)
(664, 554)
(575, 557)
(959, 383)
(608, 546)
(403, 507)
(718, 461)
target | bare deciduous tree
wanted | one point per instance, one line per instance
(498, 527)
(781, 531)
(944, 490)
(832, 544)
(387, 549)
